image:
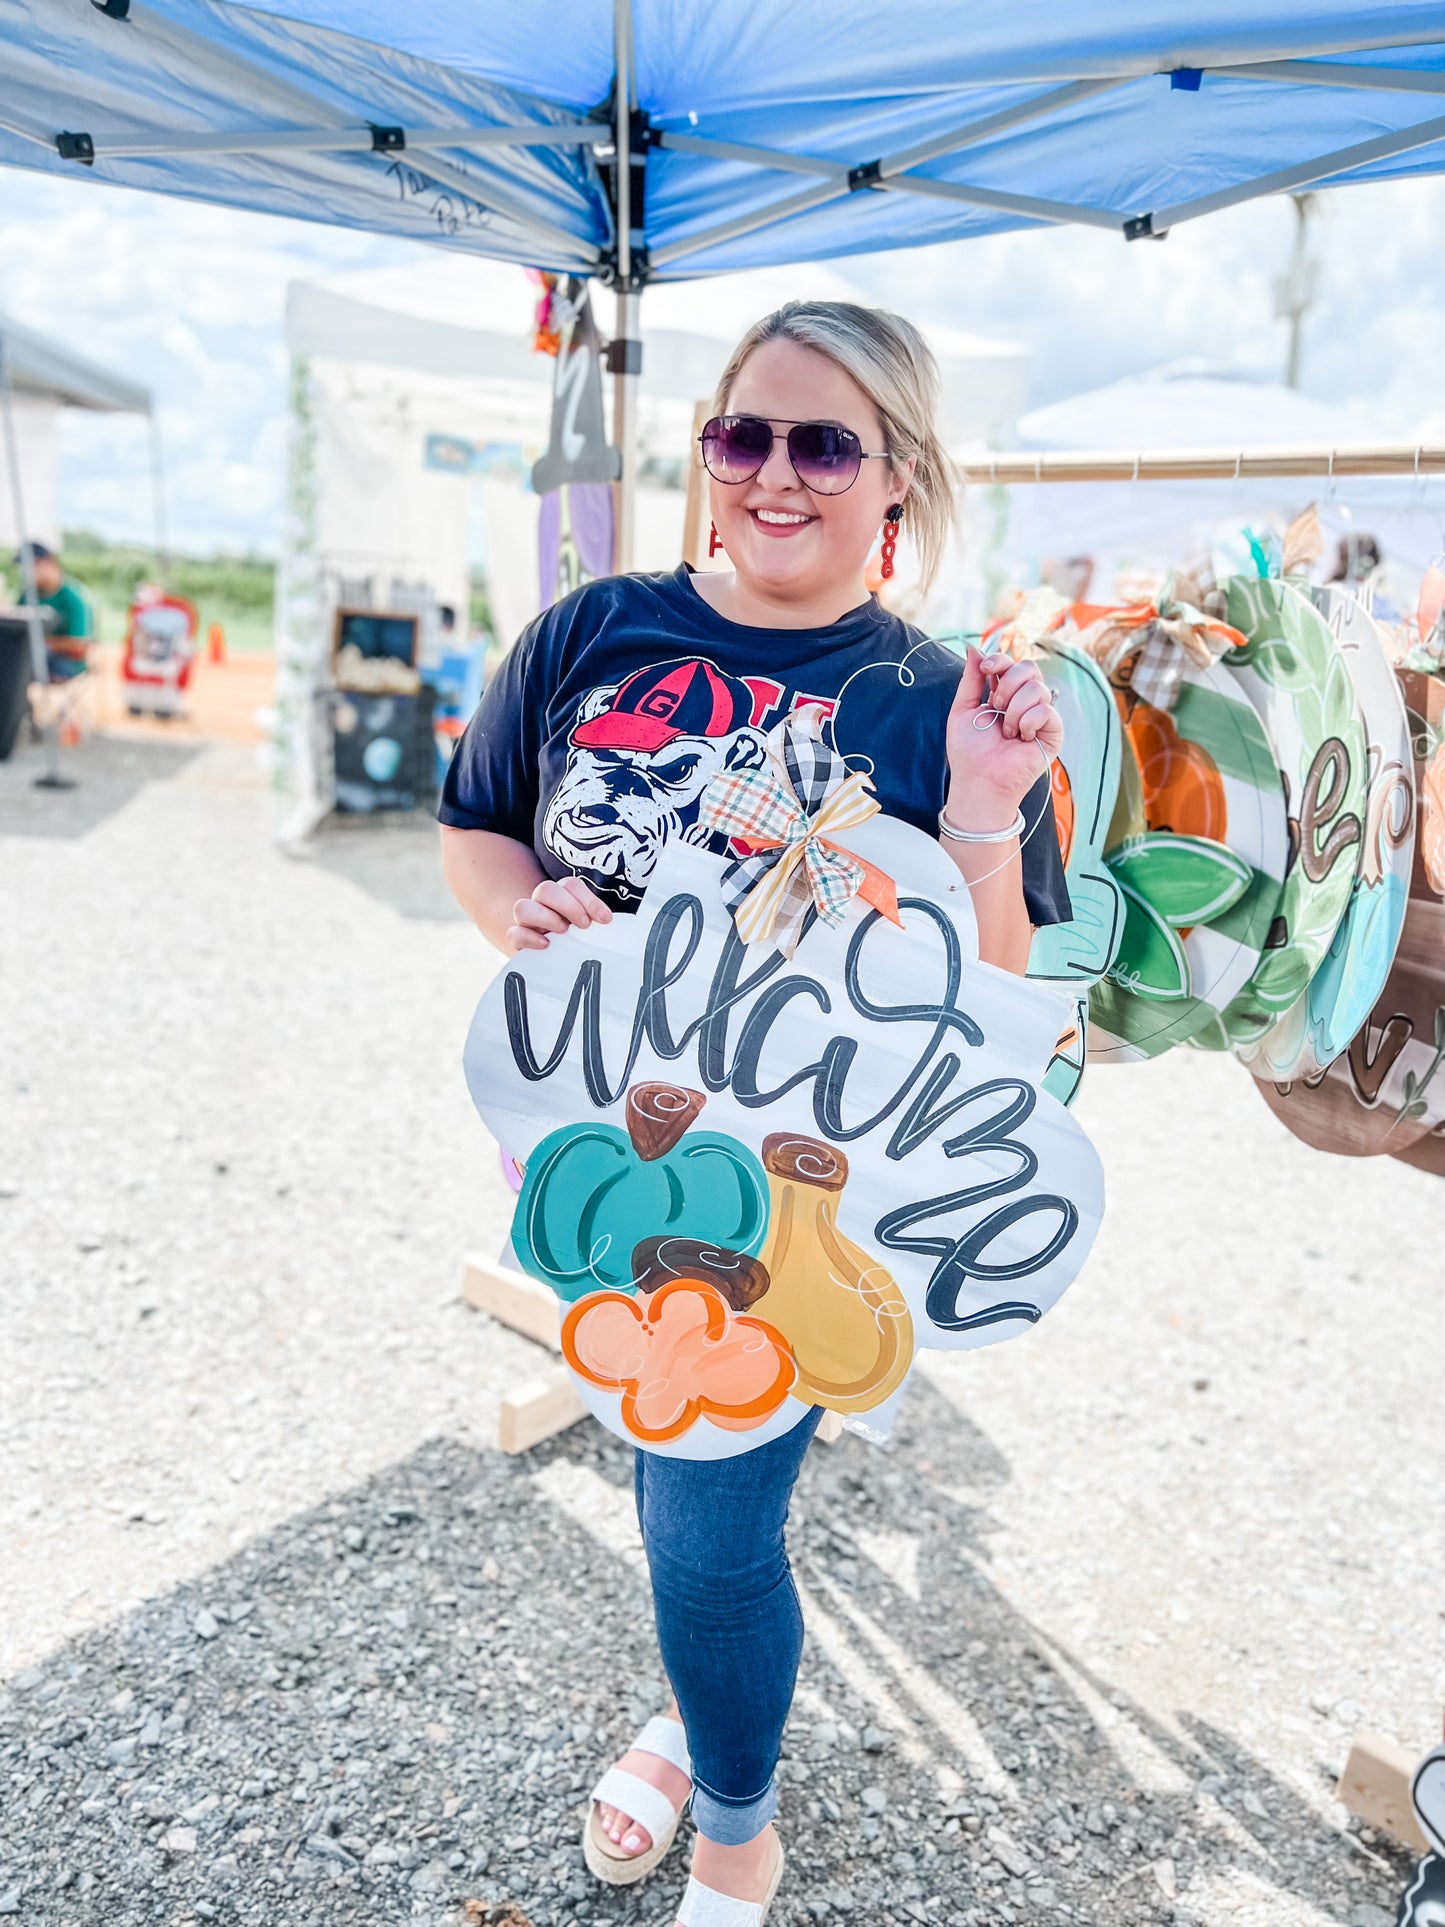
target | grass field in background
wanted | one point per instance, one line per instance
(247, 634)
(236, 591)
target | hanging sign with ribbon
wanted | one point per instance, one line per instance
(786, 815)
(782, 1128)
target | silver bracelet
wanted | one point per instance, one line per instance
(1016, 828)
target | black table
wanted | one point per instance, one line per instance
(16, 673)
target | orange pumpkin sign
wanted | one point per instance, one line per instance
(1183, 790)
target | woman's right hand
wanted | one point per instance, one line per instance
(555, 905)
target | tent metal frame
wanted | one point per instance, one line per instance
(892, 173)
(625, 364)
(370, 137)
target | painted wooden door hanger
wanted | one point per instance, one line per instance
(782, 1127)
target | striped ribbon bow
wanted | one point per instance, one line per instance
(1162, 635)
(787, 813)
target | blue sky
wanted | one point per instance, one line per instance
(190, 300)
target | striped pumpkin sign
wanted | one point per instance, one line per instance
(1202, 881)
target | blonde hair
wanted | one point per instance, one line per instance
(894, 366)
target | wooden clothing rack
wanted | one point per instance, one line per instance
(1415, 461)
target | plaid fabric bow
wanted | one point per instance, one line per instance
(786, 813)
(1164, 635)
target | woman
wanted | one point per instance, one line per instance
(593, 745)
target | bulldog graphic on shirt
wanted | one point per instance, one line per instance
(638, 760)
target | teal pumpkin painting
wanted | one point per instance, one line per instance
(593, 1192)
(1078, 953)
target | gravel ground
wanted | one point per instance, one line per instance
(284, 1640)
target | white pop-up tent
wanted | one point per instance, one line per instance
(1101, 539)
(37, 379)
(397, 355)
(388, 363)
(40, 378)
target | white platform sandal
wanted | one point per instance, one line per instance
(651, 1809)
(706, 1907)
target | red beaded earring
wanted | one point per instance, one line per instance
(714, 540)
(890, 538)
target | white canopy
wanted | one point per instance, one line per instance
(444, 347)
(471, 319)
(386, 359)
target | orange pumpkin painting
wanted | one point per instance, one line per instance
(677, 1356)
(1183, 790)
(1063, 795)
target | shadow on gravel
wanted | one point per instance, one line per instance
(392, 857)
(107, 771)
(390, 1708)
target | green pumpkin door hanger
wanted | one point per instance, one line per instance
(1198, 848)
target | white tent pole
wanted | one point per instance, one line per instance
(624, 382)
(26, 131)
(1061, 213)
(952, 142)
(770, 216)
(624, 432)
(1323, 73)
(622, 133)
(39, 664)
(158, 496)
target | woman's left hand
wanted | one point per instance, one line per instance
(998, 763)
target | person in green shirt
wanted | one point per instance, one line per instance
(69, 633)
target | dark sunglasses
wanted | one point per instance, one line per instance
(825, 457)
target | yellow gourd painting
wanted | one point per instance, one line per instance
(843, 1314)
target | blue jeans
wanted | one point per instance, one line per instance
(728, 1619)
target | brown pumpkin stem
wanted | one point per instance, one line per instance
(804, 1160)
(657, 1115)
(739, 1279)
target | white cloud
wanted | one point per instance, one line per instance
(190, 300)
(1093, 307)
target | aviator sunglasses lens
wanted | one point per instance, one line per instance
(825, 458)
(734, 447)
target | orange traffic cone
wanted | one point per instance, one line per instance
(215, 643)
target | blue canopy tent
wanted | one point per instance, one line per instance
(751, 135)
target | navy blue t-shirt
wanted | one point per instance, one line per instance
(597, 737)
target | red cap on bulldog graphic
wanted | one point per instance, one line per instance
(668, 700)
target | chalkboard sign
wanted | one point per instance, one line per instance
(377, 637)
(385, 758)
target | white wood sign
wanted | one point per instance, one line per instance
(758, 1185)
